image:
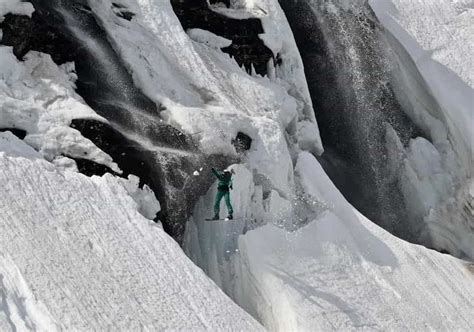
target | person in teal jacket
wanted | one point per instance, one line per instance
(223, 187)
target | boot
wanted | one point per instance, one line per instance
(216, 217)
(230, 216)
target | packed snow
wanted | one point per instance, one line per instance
(76, 254)
(38, 96)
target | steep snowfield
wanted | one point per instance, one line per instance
(434, 80)
(339, 272)
(76, 254)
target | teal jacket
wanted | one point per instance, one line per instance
(225, 180)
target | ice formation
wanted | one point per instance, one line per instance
(434, 82)
(80, 252)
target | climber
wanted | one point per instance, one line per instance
(225, 183)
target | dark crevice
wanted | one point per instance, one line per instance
(90, 168)
(242, 142)
(20, 133)
(247, 48)
(125, 15)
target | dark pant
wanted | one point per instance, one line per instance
(217, 202)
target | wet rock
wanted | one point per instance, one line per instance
(247, 48)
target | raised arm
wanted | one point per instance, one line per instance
(218, 174)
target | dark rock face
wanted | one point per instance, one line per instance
(135, 137)
(247, 48)
(348, 78)
(26, 34)
(225, 2)
(20, 133)
(242, 142)
(90, 168)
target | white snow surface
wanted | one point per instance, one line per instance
(439, 29)
(438, 38)
(339, 272)
(208, 38)
(75, 254)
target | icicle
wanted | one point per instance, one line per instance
(252, 70)
(271, 69)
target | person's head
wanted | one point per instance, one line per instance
(229, 171)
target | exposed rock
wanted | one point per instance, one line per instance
(247, 48)
(242, 142)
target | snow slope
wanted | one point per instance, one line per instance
(339, 272)
(432, 43)
(76, 254)
(342, 272)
